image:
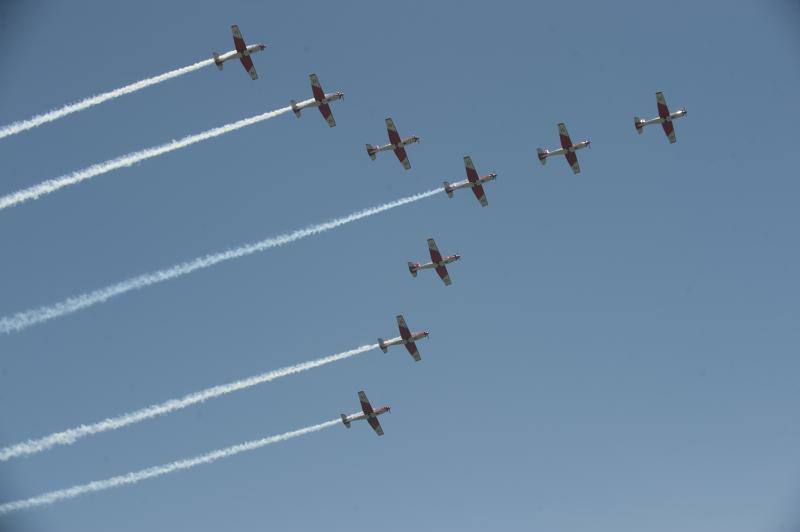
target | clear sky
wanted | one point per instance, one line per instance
(618, 350)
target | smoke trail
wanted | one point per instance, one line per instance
(55, 114)
(69, 436)
(136, 476)
(25, 319)
(51, 185)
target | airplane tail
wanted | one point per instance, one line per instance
(448, 189)
(542, 154)
(295, 109)
(217, 61)
(382, 345)
(344, 421)
(371, 151)
(637, 123)
(413, 267)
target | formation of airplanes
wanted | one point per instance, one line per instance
(322, 100)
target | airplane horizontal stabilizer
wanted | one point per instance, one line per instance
(448, 189)
(295, 109)
(217, 61)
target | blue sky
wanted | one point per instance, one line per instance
(618, 350)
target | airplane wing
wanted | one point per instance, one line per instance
(402, 156)
(405, 332)
(669, 129)
(572, 159)
(316, 88)
(480, 194)
(566, 142)
(247, 63)
(412, 348)
(325, 109)
(472, 174)
(376, 425)
(435, 255)
(442, 271)
(238, 40)
(366, 407)
(663, 110)
(394, 137)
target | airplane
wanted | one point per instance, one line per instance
(242, 51)
(368, 413)
(473, 180)
(438, 262)
(567, 149)
(664, 118)
(406, 338)
(395, 143)
(320, 100)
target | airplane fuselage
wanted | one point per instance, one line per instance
(467, 183)
(432, 265)
(311, 102)
(680, 113)
(387, 147)
(357, 416)
(403, 341)
(234, 54)
(572, 149)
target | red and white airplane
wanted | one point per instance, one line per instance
(320, 100)
(242, 51)
(664, 118)
(406, 338)
(395, 143)
(474, 181)
(567, 149)
(437, 262)
(368, 413)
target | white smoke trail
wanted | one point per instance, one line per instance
(55, 114)
(51, 185)
(69, 436)
(136, 476)
(25, 319)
